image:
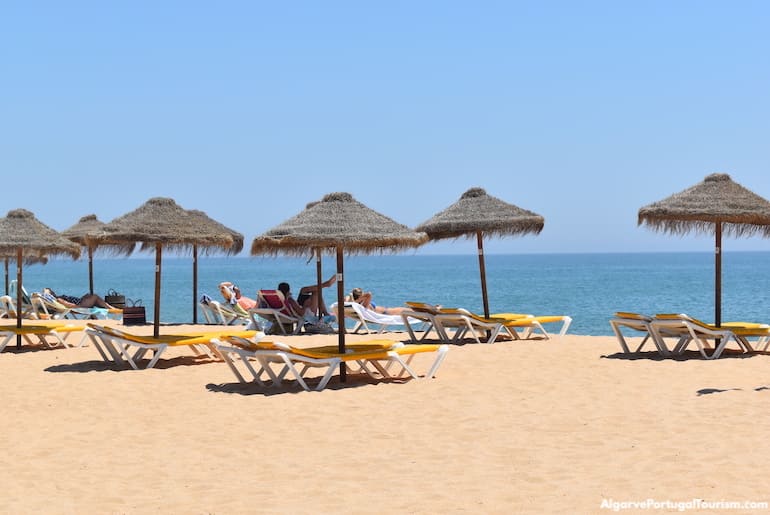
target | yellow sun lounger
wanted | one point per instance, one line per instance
(690, 330)
(425, 316)
(120, 347)
(369, 355)
(466, 323)
(637, 322)
(58, 331)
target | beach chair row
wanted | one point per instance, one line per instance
(380, 359)
(453, 325)
(40, 307)
(673, 334)
(268, 363)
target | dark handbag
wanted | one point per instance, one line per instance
(135, 313)
(115, 299)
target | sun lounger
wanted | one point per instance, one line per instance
(49, 334)
(533, 324)
(637, 322)
(46, 308)
(375, 359)
(121, 347)
(486, 330)
(218, 313)
(8, 308)
(425, 316)
(689, 330)
(364, 317)
(272, 307)
(453, 324)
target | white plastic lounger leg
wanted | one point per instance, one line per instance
(437, 362)
(229, 360)
(158, 351)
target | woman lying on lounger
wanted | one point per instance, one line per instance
(89, 300)
(365, 299)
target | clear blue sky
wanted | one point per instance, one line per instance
(580, 111)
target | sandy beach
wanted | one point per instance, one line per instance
(559, 426)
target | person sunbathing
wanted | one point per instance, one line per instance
(89, 300)
(309, 298)
(365, 299)
(232, 294)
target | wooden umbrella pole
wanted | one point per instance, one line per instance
(195, 283)
(341, 311)
(6, 276)
(718, 275)
(158, 257)
(19, 305)
(483, 271)
(91, 269)
(319, 280)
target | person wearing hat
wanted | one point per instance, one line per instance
(232, 294)
(365, 299)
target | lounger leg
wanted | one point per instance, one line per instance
(160, 350)
(442, 351)
(289, 366)
(412, 337)
(8, 338)
(123, 348)
(644, 340)
(227, 359)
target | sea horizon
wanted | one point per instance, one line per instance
(589, 287)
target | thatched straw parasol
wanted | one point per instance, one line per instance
(79, 233)
(207, 224)
(716, 205)
(340, 223)
(159, 223)
(21, 232)
(477, 214)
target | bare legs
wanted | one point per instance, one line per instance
(93, 300)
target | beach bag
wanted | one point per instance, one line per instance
(115, 299)
(315, 325)
(135, 313)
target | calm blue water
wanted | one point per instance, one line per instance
(588, 287)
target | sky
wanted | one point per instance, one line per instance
(582, 112)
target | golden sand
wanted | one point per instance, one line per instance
(553, 426)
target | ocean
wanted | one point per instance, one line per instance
(588, 287)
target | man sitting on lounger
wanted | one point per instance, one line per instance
(310, 299)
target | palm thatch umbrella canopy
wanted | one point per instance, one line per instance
(717, 205)
(79, 233)
(207, 224)
(340, 224)
(20, 233)
(477, 214)
(159, 223)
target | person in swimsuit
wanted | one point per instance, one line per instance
(232, 294)
(365, 299)
(89, 300)
(308, 299)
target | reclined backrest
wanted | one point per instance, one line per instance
(273, 299)
(424, 307)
